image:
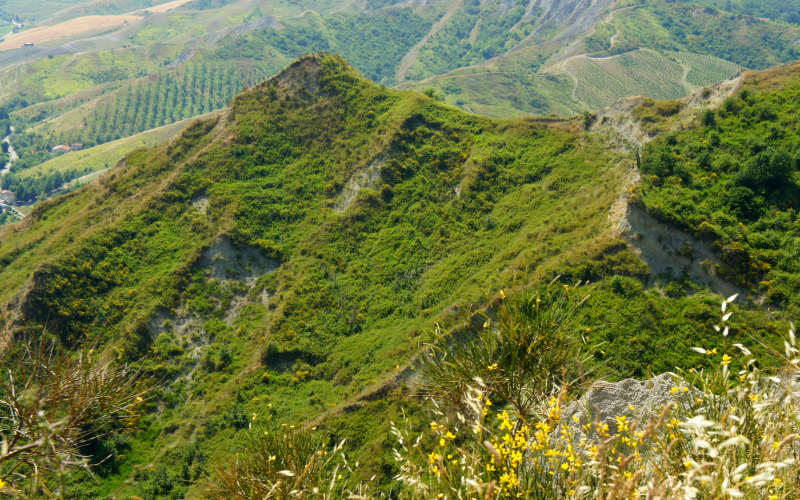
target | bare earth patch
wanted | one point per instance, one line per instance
(165, 7)
(82, 25)
(69, 28)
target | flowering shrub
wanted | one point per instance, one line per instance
(726, 434)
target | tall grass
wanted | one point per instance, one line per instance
(724, 433)
(727, 433)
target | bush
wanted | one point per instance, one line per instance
(709, 119)
(523, 353)
(726, 433)
(768, 170)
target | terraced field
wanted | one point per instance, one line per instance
(600, 81)
(705, 70)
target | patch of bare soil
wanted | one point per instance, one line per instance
(668, 251)
(66, 29)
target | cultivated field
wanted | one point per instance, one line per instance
(599, 81)
(82, 25)
(164, 7)
(66, 29)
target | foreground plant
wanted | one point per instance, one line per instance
(53, 406)
(285, 463)
(526, 350)
(725, 435)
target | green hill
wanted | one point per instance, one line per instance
(493, 58)
(280, 263)
(733, 178)
(660, 49)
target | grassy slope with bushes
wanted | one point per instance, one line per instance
(407, 250)
(733, 179)
(357, 219)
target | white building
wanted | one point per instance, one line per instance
(7, 196)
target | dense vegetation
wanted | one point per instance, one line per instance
(477, 31)
(734, 180)
(373, 41)
(30, 189)
(282, 262)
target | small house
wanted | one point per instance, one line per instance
(61, 148)
(7, 196)
(76, 147)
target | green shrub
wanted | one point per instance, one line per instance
(528, 348)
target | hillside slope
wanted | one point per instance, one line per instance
(505, 59)
(588, 57)
(281, 262)
(296, 248)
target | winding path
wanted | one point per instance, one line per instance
(12, 155)
(563, 68)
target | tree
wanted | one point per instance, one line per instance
(770, 170)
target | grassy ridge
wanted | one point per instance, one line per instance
(393, 262)
(282, 261)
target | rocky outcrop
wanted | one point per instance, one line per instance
(635, 399)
